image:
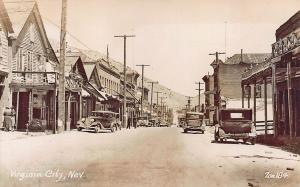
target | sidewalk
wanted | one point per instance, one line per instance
(285, 143)
(7, 136)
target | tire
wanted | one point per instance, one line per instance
(97, 129)
(185, 131)
(216, 137)
(79, 129)
(253, 141)
(113, 129)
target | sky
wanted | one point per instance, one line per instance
(174, 37)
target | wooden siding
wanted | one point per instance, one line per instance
(230, 80)
(4, 67)
(4, 51)
(30, 55)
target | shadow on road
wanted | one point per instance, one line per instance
(100, 132)
(230, 142)
(192, 132)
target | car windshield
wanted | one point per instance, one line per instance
(104, 115)
(236, 115)
(193, 116)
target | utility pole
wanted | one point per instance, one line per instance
(217, 96)
(151, 104)
(157, 97)
(143, 67)
(124, 79)
(62, 57)
(199, 96)
(189, 103)
(161, 105)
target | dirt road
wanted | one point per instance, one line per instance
(143, 157)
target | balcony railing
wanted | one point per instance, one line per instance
(256, 68)
(29, 78)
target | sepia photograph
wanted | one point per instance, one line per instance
(149, 93)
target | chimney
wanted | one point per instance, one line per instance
(241, 55)
(107, 53)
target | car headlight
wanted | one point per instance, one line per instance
(92, 120)
(83, 120)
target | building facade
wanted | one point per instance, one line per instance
(33, 62)
(5, 54)
(282, 72)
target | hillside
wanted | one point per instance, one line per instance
(175, 100)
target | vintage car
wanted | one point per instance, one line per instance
(235, 123)
(163, 123)
(153, 122)
(143, 121)
(194, 122)
(181, 121)
(100, 120)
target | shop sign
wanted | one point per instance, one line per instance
(286, 44)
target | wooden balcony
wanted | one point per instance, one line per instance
(34, 80)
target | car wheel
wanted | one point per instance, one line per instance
(113, 129)
(79, 128)
(216, 137)
(253, 141)
(97, 129)
(185, 131)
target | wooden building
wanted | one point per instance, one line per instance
(282, 71)
(33, 82)
(230, 72)
(75, 79)
(92, 95)
(5, 51)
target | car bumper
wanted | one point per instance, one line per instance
(239, 136)
(191, 128)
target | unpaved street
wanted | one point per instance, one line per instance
(143, 157)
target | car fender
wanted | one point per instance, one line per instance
(95, 123)
(80, 124)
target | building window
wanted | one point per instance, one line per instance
(31, 33)
(258, 91)
(29, 61)
(247, 91)
(20, 60)
(1, 46)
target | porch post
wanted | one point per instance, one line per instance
(266, 106)
(68, 123)
(30, 107)
(290, 102)
(243, 96)
(80, 104)
(274, 99)
(254, 103)
(17, 109)
(249, 94)
(54, 111)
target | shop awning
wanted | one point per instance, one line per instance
(85, 93)
(92, 90)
